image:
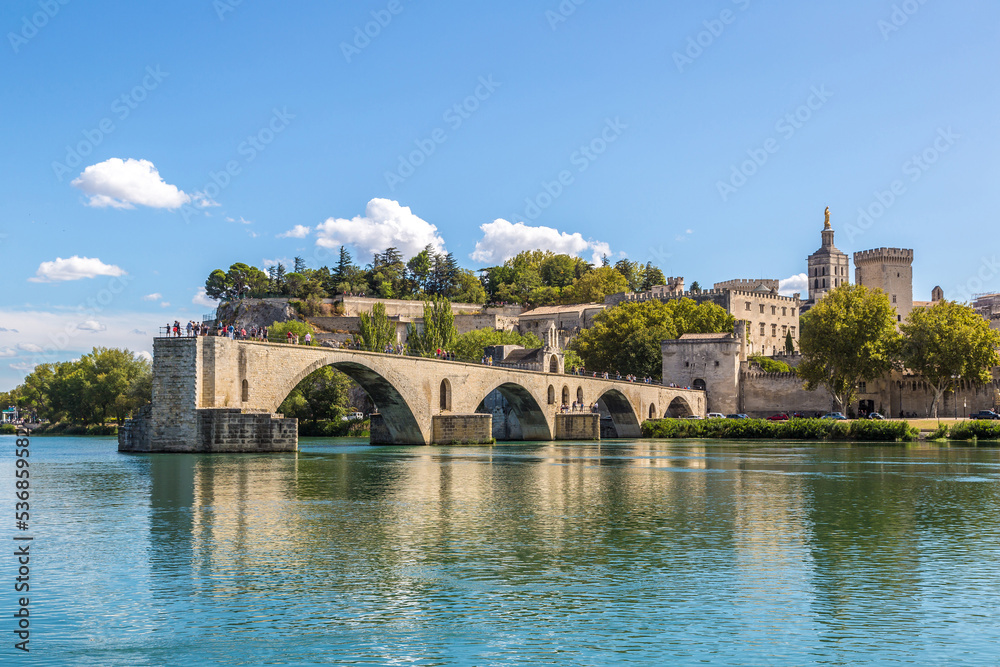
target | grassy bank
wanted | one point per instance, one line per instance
(793, 429)
(65, 429)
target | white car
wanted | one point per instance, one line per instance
(353, 417)
(716, 415)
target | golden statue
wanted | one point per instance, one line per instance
(826, 224)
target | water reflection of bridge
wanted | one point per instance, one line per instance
(216, 394)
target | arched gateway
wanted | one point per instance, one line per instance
(216, 394)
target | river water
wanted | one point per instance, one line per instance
(557, 553)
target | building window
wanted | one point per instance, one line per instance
(748, 305)
(761, 328)
(686, 364)
(784, 312)
(784, 330)
(816, 283)
(774, 330)
(793, 332)
(793, 312)
(761, 309)
(716, 363)
(774, 310)
(894, 298)
(862, 387)
(824, 282)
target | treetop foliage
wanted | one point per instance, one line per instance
(531, 278)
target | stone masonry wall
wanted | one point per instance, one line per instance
(462, 429)
(764, 394)
(233, 430)
(586, 426)
(176, 385)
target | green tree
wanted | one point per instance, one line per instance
(469, 288)
(947, 343)
(278, 331)
(217, 286)
(559, 270)
(789, 343)
(377, 331)
(627, 338)
(470, 346)
(595, 285)
(695, 287)
(438, 331)
(848, 337)
(633, 272)
(652, 276)
(323, 394)
(419, 267)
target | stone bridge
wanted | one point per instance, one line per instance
(216, 394)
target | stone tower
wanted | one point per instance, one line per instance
(890, 270)
(828, 267)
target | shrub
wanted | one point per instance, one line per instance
(8, 429)
(763, 429)
(769, 365)
(333, 428)
(975, 429)
(940, 433)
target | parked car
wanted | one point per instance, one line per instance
(798, 415)
(984, 414)
(692, 417)
(353, 417)
(779, 417)
(834, 415)
(716, 415)
(875, 415)
(738, 416)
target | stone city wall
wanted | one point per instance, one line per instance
(471, 429)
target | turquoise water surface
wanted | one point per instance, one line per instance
(642, 552)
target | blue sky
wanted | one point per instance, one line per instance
(146, 144)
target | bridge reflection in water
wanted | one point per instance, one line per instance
(217, 394)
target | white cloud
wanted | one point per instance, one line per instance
(201, 298)
(91, 326)
(296, 232)
(8, 352)
(241, 220)
(121, 183)
(143, 354)
(138, 332)
(502, 240)
(24, 367)
(2, 330)
(385, 224)
(74, 268)
(797, 283)
(165, 304)
(155, 296)
(29, 347)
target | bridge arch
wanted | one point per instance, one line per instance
(534, 425)
(579, 395)
(652, 411)
(622, 413)
(396, 413)
(679, 408)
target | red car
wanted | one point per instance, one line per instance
(780, 417)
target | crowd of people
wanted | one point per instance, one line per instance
(579, 407)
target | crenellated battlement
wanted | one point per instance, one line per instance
(884, 256)
(748, 284)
